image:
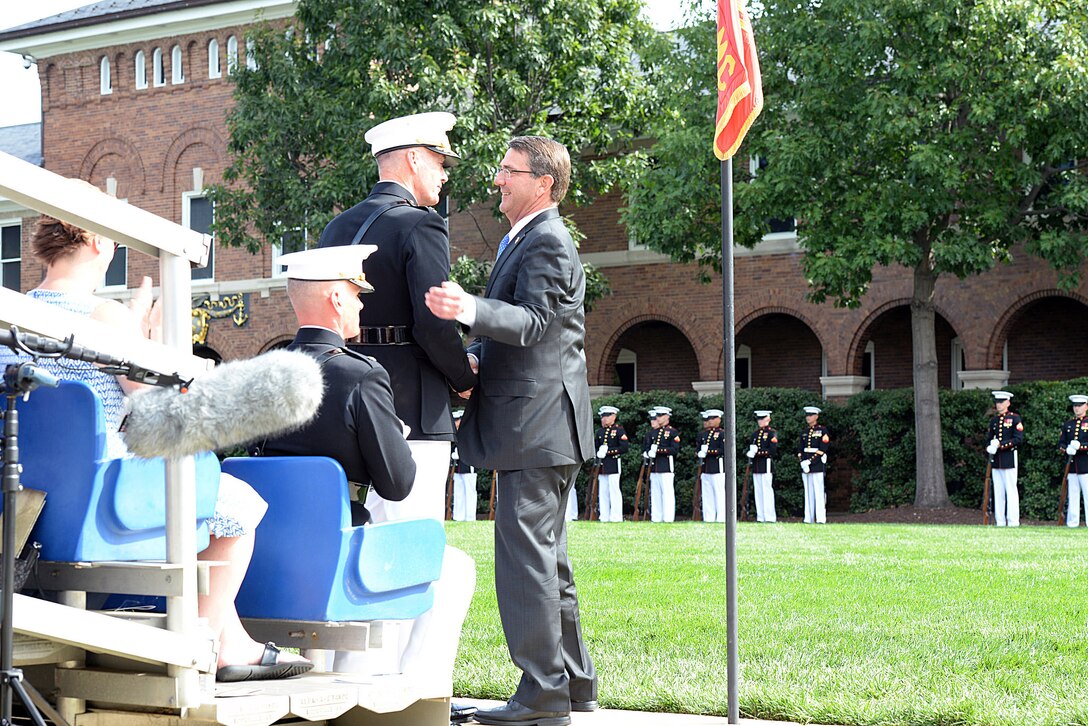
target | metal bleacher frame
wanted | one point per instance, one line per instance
(149, 670)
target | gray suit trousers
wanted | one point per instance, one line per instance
(538, 603)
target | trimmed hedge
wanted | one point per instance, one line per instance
(872, 443)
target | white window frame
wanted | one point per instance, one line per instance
(629, 356)
(743, 357)
(105, 78)
(177, 67)
(158, 75)
(277, 252)
(232, 55)
(140, 69)
(214, 68)
(957, 363)
(12, 222)
(870, 348)
(251, 59)
(186, 200)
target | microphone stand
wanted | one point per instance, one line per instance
(19, 380)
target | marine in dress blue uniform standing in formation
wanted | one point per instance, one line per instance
(710, 452)
(1006, 433)
(812, 453)
(611, 441)
(661, 445)
(1074, 444)
(762, 448)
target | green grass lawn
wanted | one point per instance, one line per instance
(838, 624)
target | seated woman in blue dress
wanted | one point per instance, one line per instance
(76, 263)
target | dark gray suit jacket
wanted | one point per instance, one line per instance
(531, 407)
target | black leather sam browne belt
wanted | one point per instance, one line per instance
(386, 335)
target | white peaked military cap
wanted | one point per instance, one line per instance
(607, 410)
(1078, 400)
(712, 413)
(762, 414)
(652, 412)
(811, 409)
(1001, 395)
(458, 413)
(344, 262)
(420, 129)
(663, 410)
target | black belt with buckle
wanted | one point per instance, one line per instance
(386, 335)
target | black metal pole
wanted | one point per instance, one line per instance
(730, 446)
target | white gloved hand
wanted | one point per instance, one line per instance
(1072, 448)
(752, 449)
(653, 451)
(806, 465)
(646, 455)
(1075, 443)
(823, 458)
(455, 456)
(992, 448)
(602, 451)
(703, 451)
(405, 429)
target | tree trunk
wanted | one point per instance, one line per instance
(930, 491)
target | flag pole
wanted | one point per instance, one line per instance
(730, 446)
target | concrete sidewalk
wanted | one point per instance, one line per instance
(609, 717)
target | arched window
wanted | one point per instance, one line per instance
(177, 72)
(251, 57)
(141, 69)
(232, 54)
(213, 59)
(158, 75)
(105, 84)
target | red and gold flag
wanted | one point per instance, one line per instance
(740, 89)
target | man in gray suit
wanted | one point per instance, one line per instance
(530, 329)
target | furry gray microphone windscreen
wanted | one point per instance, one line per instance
(233, 404)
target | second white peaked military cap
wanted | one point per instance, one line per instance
(458, 413)
(420, 129)
(811, 409)
(1078, 399)
(1001, 395)
(712, 413)
(330, 263)
(607, 410)
(663, 410)
(762, 414)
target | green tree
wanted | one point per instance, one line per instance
(562, 68)
(939, 135)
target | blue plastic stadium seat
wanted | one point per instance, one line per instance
(311, 564)
(97, 509)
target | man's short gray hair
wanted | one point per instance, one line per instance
(546, 156)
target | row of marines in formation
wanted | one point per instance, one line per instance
(660, 445)
(662, 442)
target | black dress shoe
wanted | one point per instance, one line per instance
(461, 712)
(515, 713)
(583, 706)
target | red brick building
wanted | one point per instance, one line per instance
(134, 96)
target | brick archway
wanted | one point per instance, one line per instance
(863, 332)
(789, 354)
(687, 365)
(116, 147)
(1012, 318)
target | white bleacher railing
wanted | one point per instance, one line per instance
(175, 247)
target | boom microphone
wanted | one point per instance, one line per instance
(235, 403)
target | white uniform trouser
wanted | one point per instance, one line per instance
(427, 500)
(428, 644)
(464, 497)
(1006, 498)
(713, 497)
(764, 492)
(610, 501)
(662, 497)
(572, 504)
(1078, 489)
(815, 500)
